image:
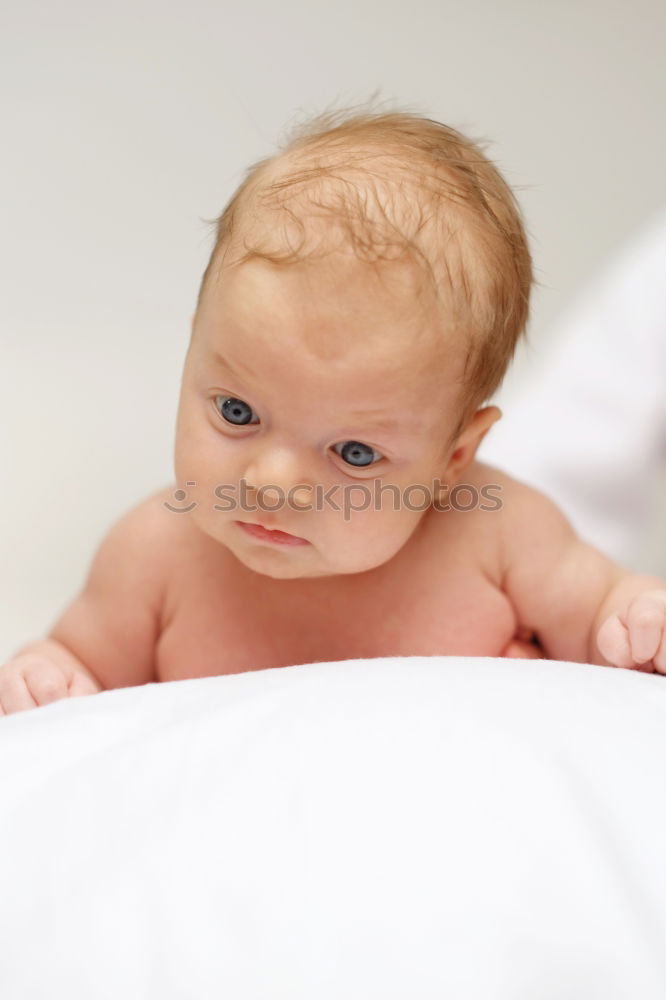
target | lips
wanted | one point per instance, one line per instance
(267, 535)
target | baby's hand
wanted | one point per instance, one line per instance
(637, 638)
(32, 679)
(523, 646)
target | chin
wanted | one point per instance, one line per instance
(281, 572)
(264, 562)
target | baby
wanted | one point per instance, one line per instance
(363, 299)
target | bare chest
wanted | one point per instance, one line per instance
(221, 622)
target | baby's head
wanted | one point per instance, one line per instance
(363, 299)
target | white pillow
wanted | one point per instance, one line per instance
(421, 827)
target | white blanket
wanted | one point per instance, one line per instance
(383, 829)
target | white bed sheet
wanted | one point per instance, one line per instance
(421, 827)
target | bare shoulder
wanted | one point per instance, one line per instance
(554, 579)
(482, 474)
(148, 531)
(114, 623)
(476, 516)
(525, 515)
(514, 524)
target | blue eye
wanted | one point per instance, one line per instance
(235, 411)
(357, 454)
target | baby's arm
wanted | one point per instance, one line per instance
(107, 636)
(582, 606)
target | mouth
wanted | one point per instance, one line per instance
(266, 535)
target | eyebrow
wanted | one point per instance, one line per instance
(381, 423)
(359, 416)
(220, 360)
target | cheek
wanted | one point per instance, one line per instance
(367, 540)
(187, 451)
(183, 434)
(199, 452)
(377, 527)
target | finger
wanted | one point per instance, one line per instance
(46, 682)
(613, 643)
(645, 621)
(659, 659)
(15, 696)
(519, 650)
(80, 685)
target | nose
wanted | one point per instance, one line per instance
(277, 470)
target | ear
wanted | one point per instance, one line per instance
(468, 441)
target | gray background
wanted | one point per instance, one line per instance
(124, 125)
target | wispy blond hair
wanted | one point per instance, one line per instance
(397, 185)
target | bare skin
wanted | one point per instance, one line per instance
(417, 603)
(285, 371)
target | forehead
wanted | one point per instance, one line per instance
(332, 329)
(335, 308)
